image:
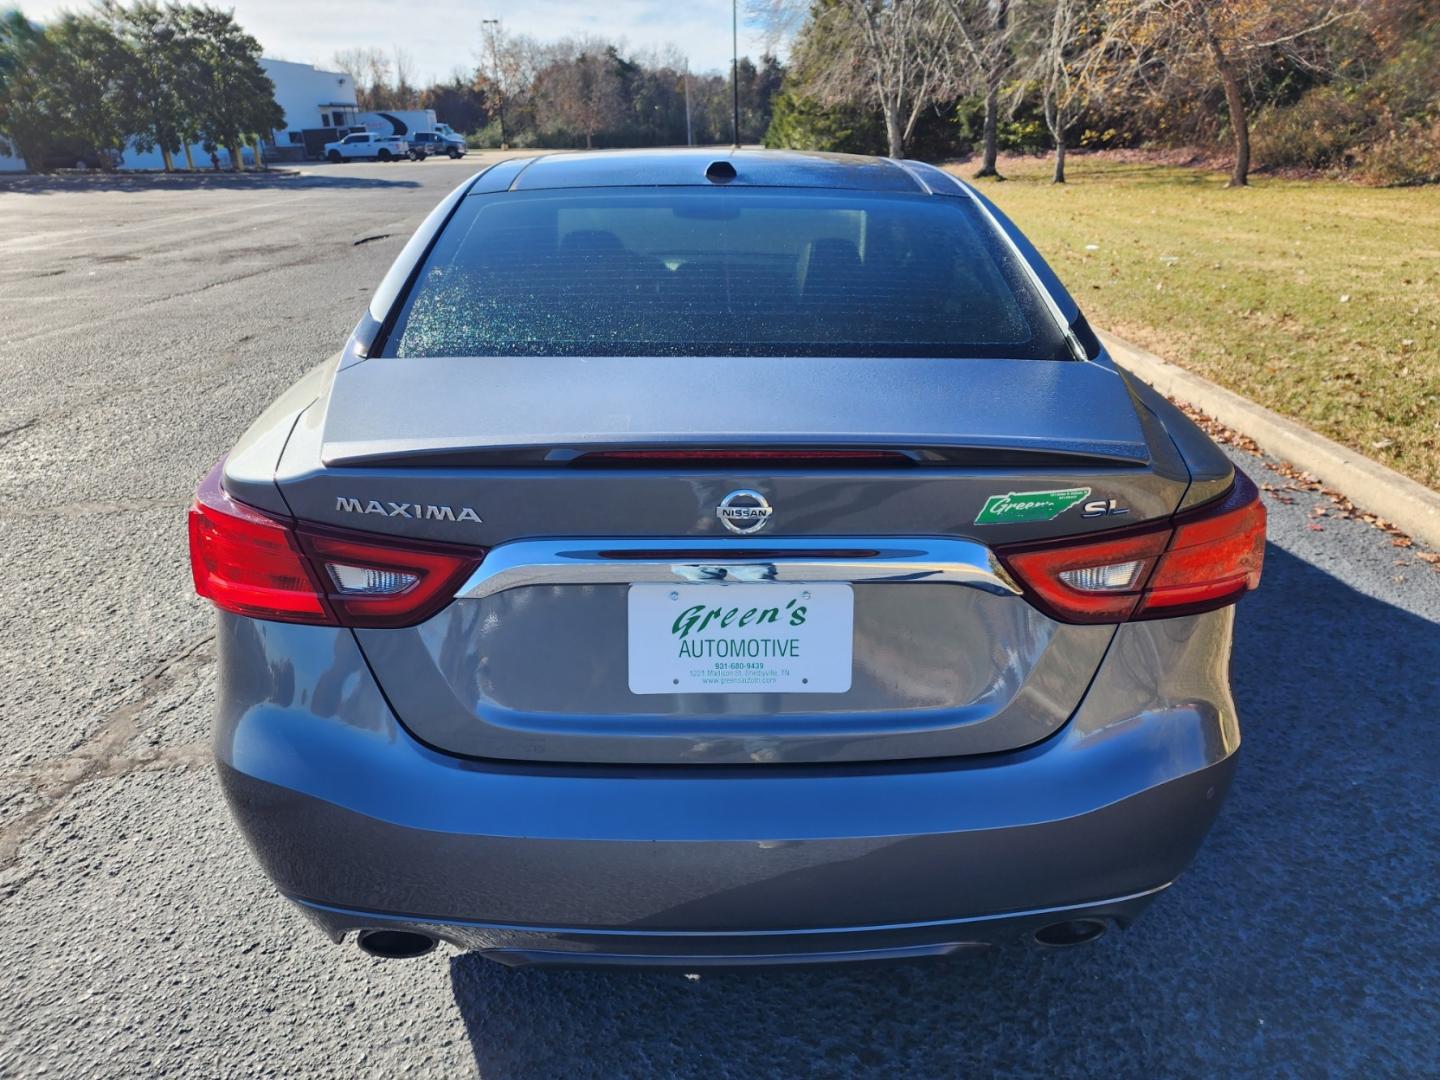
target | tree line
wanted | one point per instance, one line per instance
(147, 76)
(574, 92)
(1320, 84)
(1323, 83)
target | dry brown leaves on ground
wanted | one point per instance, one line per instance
(1298, 480)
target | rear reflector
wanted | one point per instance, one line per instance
(1198, 561)
(255, 564)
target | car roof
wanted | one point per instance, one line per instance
(688, 166)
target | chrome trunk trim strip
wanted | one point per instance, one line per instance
(870, 560)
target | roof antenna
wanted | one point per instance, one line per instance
(720, 172)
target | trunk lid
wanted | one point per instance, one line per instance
(946, 659)
(495, 409)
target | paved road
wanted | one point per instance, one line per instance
(143, 326)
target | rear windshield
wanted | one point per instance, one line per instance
(707, 272)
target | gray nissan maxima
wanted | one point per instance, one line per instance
(703, 557)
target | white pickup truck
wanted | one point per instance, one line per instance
(366, 144)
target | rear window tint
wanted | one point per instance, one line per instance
(705, 272)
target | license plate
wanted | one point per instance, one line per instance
(741, 639)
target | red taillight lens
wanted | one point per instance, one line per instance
(1196, 562)
(248, 562)
(380, 584)
(1215, 557)
(1095, 582)
(253, 564)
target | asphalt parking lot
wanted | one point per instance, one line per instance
(144, 323)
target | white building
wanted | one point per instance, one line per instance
(317, 105)
(313, 100)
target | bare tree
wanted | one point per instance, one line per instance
(352, 63)
(369, 70)
(580, 88)
(508, 64)
(895, 54)
(1055, 40)
(377, 79)
(405, 92)
(995, 61)
(1168, 42)
(982, 59)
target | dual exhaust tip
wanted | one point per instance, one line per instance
(1062, 935)
(394, 944)
(407, 944)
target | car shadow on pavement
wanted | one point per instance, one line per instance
(1303, 941)
(284, 179)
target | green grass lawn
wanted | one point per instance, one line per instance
(1318, 299)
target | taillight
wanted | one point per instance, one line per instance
(1095, 582)
(248, 562)
(371, 583)
(1214, 558)
(265, 567)
(1197, 561)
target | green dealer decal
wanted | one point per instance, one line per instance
(1019, 506)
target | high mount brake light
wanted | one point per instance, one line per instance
(251, 563)
(721, 457)
(1197, 561)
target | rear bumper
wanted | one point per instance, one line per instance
(364, 826)
(533, 946)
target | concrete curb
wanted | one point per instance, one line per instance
(1411, 506)
(136, 178)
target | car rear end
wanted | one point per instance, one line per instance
(723, 572)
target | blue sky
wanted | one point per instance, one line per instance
(441, 36)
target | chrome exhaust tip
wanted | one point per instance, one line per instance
(394, 944)
(1062, 935)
